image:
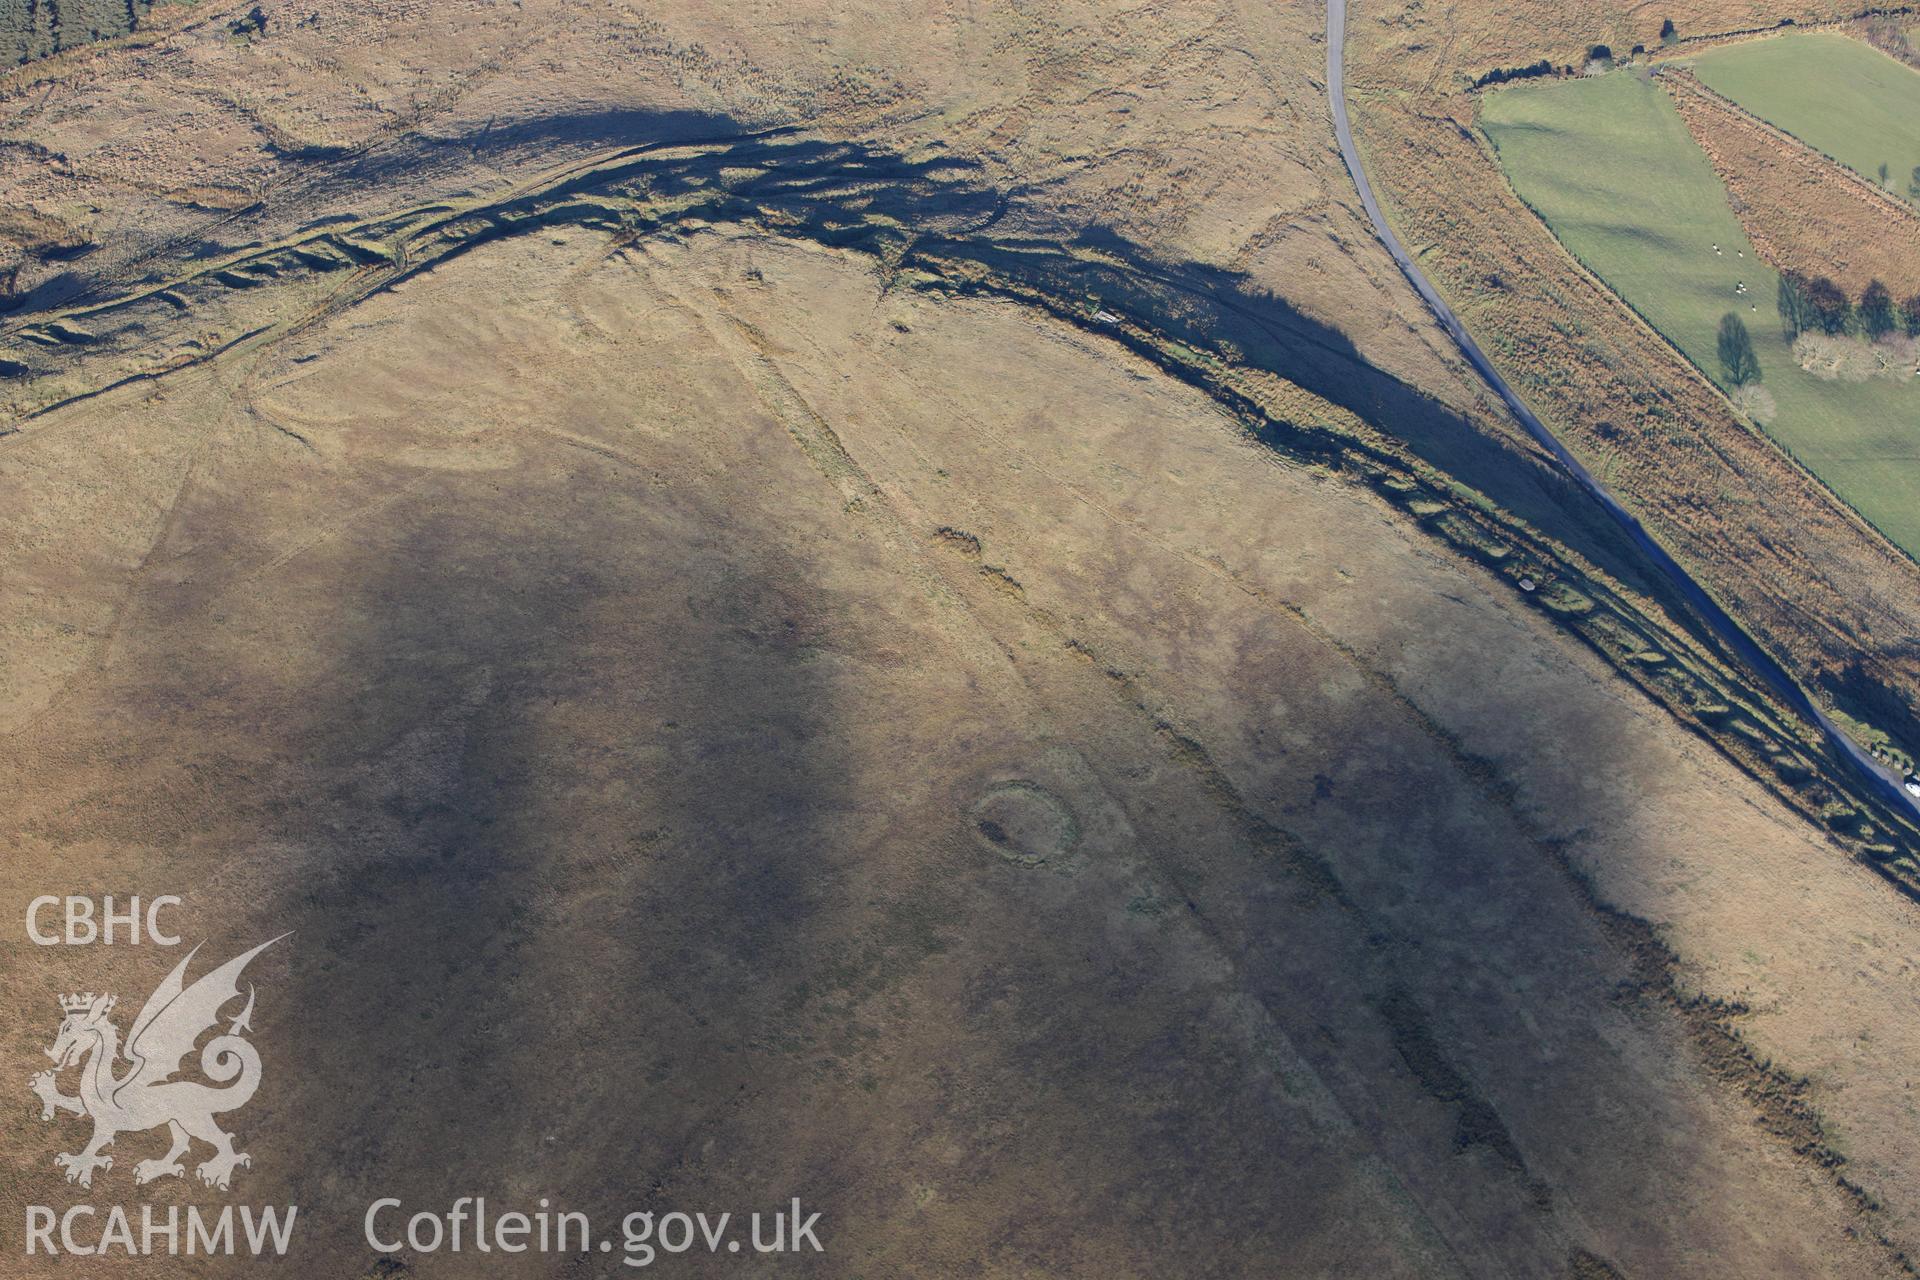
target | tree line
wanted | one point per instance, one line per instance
(1815, 304)
(1500, 75)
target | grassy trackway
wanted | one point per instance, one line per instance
(1837, 95)
(1611, 167)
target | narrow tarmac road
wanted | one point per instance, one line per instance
(1884, 780)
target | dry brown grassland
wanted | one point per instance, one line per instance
(862, 607)
(1815, 584)
(1802, 211)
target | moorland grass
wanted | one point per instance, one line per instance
(1608, 163)
(1839, 96)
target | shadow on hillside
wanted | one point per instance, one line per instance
(558, 809)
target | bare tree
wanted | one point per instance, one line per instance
(1796, 307)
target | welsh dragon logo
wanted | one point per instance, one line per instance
(144, 1095)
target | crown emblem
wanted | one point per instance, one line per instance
(178, 1019)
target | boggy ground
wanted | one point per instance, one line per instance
(722, 728)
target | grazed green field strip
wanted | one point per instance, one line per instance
(1610, 166)
(1839, 96)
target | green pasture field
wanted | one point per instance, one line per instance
(1610, 166)
(1839, 96)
